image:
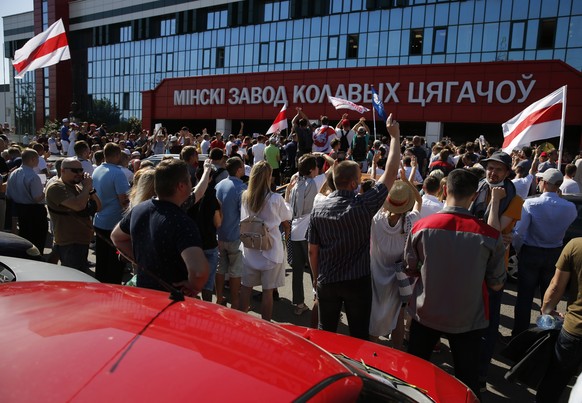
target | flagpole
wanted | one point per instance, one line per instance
(374, 118)
(561, 146)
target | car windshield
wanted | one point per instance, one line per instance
(376, 381)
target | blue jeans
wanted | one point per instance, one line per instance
(536, 269)
(212, 257)
(564, 364)
(74, 256)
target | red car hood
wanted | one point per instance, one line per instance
(438, 384)
(78, 341)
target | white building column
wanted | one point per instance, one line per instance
(224, 126)
(433, 133)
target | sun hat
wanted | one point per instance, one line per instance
(400, 198)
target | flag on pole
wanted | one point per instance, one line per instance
(280, 122)
(541, 120)
(378, 105)
(45, 49)
(339, 103)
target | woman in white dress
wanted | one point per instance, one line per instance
(390, 227)
(263, 267)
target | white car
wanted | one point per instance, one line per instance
(16, 269)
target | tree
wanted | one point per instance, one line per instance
(103, 111)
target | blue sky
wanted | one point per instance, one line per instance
(10, 7)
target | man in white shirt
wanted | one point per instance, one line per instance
(430, 203)
(570, 186)
(259, 149)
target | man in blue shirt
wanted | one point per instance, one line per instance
(229, 192)
(538, 242)
(111, 185)
(26, 191)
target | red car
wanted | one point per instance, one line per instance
(65, 341)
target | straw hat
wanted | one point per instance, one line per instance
(400, 198)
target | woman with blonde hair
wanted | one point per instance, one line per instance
(263, 267)
(143, 187)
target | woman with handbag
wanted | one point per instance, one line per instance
(262, 212)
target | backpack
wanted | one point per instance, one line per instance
(344, 144)
(360, 148)
(254, 233)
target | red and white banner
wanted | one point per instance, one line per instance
(541, 120)
(280, 122)
(45, 49)
(339, 103)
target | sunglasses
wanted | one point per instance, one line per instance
(75, 170)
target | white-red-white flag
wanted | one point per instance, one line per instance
(280, 122)
(340, 103)
(47, 48)
(541, 120)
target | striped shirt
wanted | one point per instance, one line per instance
(340, 225)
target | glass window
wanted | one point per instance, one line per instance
(517, 40)
(466, 12)
(352, 46)
(477, 37)
(534, 8)
(220, 57)
(275, 11)
(490, 32)
(418, 17)
(168, 27)
(126, 66)
(217, 19)
(125, 104)
(492, 10)
(125, 33)
(159, 65)
(170, 62)
(315, 49)
(439, 43)
(575, 33)
(264, 53)
(442, 14)
(372, 44)
(416, 40)
(333, 47)
(394, 43)
(280, 52)
(549, 8)
(547, 33)
(206, 58)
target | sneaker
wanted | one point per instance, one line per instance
(299, 309)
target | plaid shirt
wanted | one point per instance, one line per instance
(340, 225)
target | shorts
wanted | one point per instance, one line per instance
(230, 259)
(212, 257)
(268, 279)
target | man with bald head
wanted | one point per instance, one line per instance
(71, 200)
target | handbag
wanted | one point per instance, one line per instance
(254, 233)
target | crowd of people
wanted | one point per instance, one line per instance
(410, 241)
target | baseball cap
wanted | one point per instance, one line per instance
(65, 120)
(544, 154)
(499, 156)
(345, 122)
(552, 176)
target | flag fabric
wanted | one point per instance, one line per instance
(378, 105)
(541, 120)
(280, 122)
(339, 103)
(45, 49)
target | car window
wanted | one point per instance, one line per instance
(6, 275)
